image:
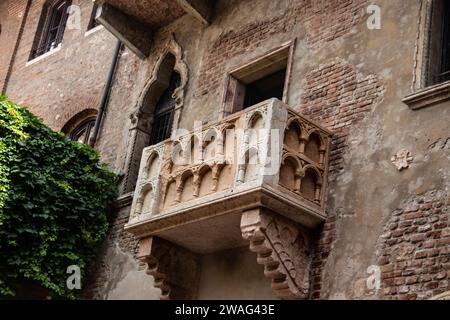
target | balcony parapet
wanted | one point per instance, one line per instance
(200, 189)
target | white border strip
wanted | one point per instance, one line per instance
(43, 56)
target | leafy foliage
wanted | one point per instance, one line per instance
(54, 195)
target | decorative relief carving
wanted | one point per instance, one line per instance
(211, 160)
(402, 159)
(170, 45)
(142, 117)
(305, 152)
(176, 271)
(208, 175)
(284, 250)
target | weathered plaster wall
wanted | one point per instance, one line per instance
(368, 189)
(352, 81)
(347, 77)
(233, 274)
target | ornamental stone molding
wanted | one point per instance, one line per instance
(283, 248)
(402, 159)
(176, 271)
(142, 118)
(258, 176)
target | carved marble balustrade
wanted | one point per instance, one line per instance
(257, 177)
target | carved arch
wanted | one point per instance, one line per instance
(169, 47)
(147, 190)
(291, 172)
(78, 119)
(293, 157)
(206, 180)
(170, 59)
(315, 147)
(255, 116)
(293, 135)
(154, 156)
(319, 135)
(311, 184)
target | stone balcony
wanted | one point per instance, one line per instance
(257, 176)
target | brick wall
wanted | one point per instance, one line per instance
(415, 248)
(338, 97)
(61, 85)
(11, 17)
(323, 244)
(324, 21)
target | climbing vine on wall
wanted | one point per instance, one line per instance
(54, 199)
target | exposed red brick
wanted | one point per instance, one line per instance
(324, 21)
(426, 266)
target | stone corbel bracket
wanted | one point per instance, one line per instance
(284, 250)
(176, 271)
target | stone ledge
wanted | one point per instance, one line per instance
(124, 200)
(207, 226)
(428, 96)
(44, 55)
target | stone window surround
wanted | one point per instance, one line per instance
(141, 119)
(58, 48)
(262, 61)
(44, 56)
(423, 95)
(42, 27)
(93, 30)
(79, 118)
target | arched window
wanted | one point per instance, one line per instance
(81, 126)
(51, 27)
(155, 119)
(164, 110)
(82, 133)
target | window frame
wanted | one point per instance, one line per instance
(165, 112)
(264, 65)
(43, 43)
(87, 126)
(426, 93)
(92, 20)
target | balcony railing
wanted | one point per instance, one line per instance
(267, 156)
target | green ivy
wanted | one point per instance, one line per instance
(54, 196)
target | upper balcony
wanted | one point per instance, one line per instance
(159, 13)
(193, 189)
(135, 22)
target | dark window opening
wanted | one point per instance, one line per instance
(444, 74)
(271, 86)
(264, 78)
(54, 26)
(438, 64)
(82, 132)
(164, 112)
(93, 21)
